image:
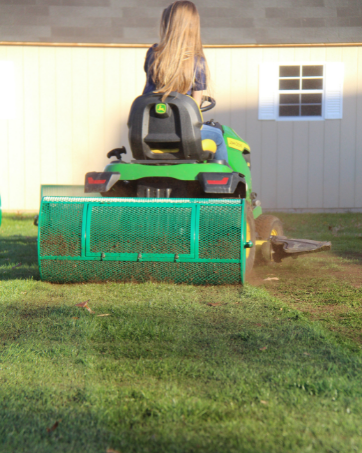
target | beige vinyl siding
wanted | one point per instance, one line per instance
(358, 141)
(72, 107)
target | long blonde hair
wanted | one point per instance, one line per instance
(179, 54)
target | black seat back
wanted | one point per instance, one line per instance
(166, 130)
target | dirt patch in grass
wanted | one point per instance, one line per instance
(349, 273)
(327, 265)
(326, 286)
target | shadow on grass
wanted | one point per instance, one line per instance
(78, 430)
(18, 257)
(173, 378)
(20, 217)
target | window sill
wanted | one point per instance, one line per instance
(299, 118)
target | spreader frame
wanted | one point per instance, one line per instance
(89, 204)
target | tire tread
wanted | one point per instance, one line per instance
(265, 223)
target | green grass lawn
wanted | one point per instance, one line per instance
(165, 371)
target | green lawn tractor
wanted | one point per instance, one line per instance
(173, 213)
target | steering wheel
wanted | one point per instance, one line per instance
(210, 106)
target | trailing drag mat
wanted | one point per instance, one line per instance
(195, 241)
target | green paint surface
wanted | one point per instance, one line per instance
(236, 159)
(184, 172)
(257, 211)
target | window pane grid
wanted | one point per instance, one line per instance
(300, 90)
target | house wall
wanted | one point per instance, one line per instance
(222, 21)
(72, 106)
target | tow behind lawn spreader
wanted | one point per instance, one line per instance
(173, 214)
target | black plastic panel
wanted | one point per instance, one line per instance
(100, 181)
(220, 182)
(179, 130)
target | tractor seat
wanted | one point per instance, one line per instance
(169, 130)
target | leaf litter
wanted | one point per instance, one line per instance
(16, 265)
(54, 427)
(87, 307)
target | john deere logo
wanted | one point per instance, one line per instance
(161, 108)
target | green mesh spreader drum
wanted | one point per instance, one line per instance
(197, 241)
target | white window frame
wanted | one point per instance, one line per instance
(300, 91)
(269, 92)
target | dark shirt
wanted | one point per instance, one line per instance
(199, 83)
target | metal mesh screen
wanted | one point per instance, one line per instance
(219, 232)
(61, 228)
(141, 229)
(59, 190)
(59, 271)
(192, 241)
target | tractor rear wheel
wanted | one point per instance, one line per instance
(268, 225)
(250, 236)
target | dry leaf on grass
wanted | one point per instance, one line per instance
(263, 349)
(215, 304)
(106, 314)
(263, 402)
(110, 450)
(270, 279)
(24, 292)
(55, 426)
(7, 270)
(306, 353)
(335, 229)
(75, 317)
(85, 305)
